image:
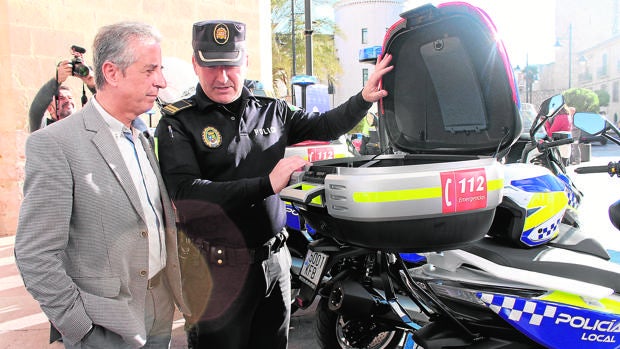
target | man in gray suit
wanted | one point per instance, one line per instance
(96, 239)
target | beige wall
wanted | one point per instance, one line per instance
(36, 34)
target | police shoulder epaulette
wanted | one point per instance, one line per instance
(173, 108)
(265, 98)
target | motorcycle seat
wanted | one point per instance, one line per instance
(551, 260)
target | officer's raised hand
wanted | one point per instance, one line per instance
(281, 173)
(372, 92)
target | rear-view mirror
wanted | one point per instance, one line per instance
(592, 123)
(551, 106)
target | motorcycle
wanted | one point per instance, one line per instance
(535, 147)
(497, 292)
(531, 148)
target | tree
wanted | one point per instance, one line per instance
(603, 98)
(325, 63)
(582, 99)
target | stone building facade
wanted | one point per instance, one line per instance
(36, 34)
(587, 53)
(363, 24)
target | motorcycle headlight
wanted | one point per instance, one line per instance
(471, 294)
(458, 293)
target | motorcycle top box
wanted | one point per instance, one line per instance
(452, 108)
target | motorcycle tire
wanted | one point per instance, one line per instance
(330, 334)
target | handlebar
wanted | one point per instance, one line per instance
(612, 168)
(542, 146)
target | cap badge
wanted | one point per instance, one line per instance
(221, 34)
(211, 137)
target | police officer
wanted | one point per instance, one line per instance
(221, 154)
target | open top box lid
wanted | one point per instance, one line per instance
(452, 89)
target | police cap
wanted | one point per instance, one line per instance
(219, 42)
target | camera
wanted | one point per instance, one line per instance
(77, 63)
(79, 68)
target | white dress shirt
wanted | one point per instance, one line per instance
(146, 185)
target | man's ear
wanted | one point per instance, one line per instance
(111, 73)
(194, 64)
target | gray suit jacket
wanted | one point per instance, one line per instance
(80, 246)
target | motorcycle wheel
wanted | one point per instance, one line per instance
(330, 330)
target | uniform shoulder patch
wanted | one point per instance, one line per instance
(175, 107)
(269, 98)
(264, 99)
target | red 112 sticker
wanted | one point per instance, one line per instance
(463, 190)
(317, 154)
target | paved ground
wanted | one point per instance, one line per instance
(23, 325)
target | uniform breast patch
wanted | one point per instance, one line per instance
(211, 137)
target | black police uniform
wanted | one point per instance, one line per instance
(216, 160)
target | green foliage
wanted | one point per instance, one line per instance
(324, 61)
(603, 98)
(582, 99)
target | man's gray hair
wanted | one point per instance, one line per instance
(113, 44)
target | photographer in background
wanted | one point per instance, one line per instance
(52, 98)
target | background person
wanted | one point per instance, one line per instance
(221, 154)
(561, 123)
(96, 236)
(370, 137)
(62, 105)
(575, 154)
(46, 97)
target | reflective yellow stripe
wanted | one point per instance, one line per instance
(607, 305)
(397, 195)
(495, 184)
(549, 203)
(412, 194)
(317, 200)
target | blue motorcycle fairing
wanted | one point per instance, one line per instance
(556, 325)
(540, 184)
(573, 200)
(539, 235)
(293, 220)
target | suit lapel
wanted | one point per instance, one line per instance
(166, 203)
(107, 147)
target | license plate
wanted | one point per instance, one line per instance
(312, 269)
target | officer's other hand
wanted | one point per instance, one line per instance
(372, 92)
(63, 71)
(281, 173)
